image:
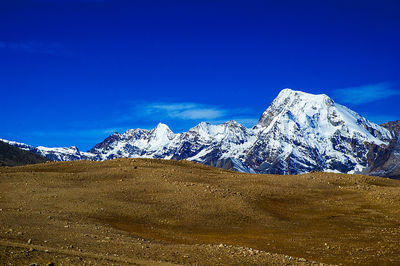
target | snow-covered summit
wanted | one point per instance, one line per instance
(297, 133)
(162, 134)
(231, 130)
(293, 102)
(318, 115)
(302, 132)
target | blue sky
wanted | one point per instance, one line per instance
(74, 71)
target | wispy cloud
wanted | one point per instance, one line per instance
(365, 94)
(51, 48)
(188, 112)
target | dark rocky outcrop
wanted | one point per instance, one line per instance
(13, 156)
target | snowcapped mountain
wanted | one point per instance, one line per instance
(57, 154)
(217, 145)
(205, 143)
(298, 133)
(301, 132)
(135, 143)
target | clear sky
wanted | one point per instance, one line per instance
(74, 71)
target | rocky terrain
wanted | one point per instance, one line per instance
(146, 211)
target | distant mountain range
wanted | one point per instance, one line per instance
(298, 133)
(13, 156)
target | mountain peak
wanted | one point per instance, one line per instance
(303, 96)
(162, 134)
(293, 101)
(161, 127)
(232, 123)
(204, 129)
(299, 132)
(135, 132)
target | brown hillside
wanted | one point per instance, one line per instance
(141, 211)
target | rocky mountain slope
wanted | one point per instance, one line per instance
(13, 156)
(301, 132)
(216, 145)
(388, 162)
(55, 154)
(298, 133)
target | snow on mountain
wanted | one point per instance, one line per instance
(20, 145)
(299, 132)
(217, 145)
(203, 143)
(136, 143)
(65, 153)
(57, 154)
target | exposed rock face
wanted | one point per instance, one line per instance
(298, 133)
(216, 145)
(13, 156)
(301, 132)
(55, 154)
(387, 159)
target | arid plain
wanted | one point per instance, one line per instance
(146, 211)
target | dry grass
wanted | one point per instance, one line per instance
(145, 211)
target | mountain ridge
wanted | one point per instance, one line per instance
(13, 156)
(299, 132)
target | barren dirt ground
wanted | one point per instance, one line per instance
(138, 211)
